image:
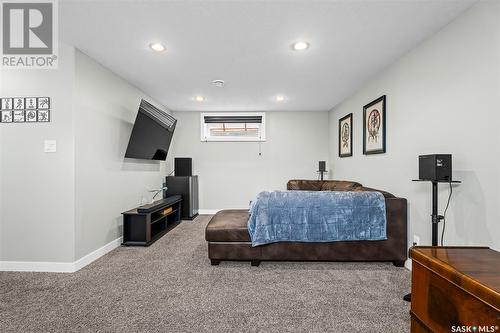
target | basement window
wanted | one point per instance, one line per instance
(241, 126)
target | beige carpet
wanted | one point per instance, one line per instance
(171, 287)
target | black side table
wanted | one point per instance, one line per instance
(144, 225)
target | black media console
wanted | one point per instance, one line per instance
(144, 225)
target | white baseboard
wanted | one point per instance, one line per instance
(59, 267)
(408, 264)
(213, 211)
(92, 256)
(37, 266)
(208, 211)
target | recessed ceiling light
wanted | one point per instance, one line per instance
(218, 83)
(157, 47)
(300, 46)
(199, 98)
(280, 98)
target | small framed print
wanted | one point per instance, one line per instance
(31, 116)
(25, 109)
(18, 116)
(6, 104)
(374, 126)
(30, 103)
(345, 136)
(43, 103)
(18, 103)
(43, 116)
(6, 116)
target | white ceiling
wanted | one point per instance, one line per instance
(247, 44)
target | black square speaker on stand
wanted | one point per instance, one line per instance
(435, 167)
(322, 166)
(183, 166)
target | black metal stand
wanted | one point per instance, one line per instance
(435, 217)
(321, 174)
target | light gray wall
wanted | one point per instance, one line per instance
(37, 189)
(1, 184)
(106, 183)
(58, 207)
(232, 173)
(443, 97)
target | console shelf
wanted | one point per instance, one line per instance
(144, 225)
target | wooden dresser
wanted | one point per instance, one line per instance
(455, 289)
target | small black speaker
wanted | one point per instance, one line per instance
(183, 166)
(322, 166)
(436, 167)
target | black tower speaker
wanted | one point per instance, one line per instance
(183, 166)
(187, 187)
(322, 166)
(436, 167)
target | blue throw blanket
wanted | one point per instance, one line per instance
(316, 216)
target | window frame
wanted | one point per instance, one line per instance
(204, 137)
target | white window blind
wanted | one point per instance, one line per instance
(247, 126)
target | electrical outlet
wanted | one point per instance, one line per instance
(416, 240)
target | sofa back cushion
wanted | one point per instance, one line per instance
(304, 185)
(384, 193)
(330, 185)
(321, 185)
(339, 185)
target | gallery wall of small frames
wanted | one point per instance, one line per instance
(25, 110)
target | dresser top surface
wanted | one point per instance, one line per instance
(468, 267)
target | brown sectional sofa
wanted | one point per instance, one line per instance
(228, 238)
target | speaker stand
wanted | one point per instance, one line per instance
(435, 217)
(321, 173)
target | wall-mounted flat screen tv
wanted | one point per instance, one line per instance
(151, 134)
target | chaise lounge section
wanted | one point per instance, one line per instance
(228, 238)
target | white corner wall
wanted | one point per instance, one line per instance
(442, 97)
(60, 211)
(106, 183)
(37, 189)
(232, 173)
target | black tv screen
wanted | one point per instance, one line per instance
(151, 134)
